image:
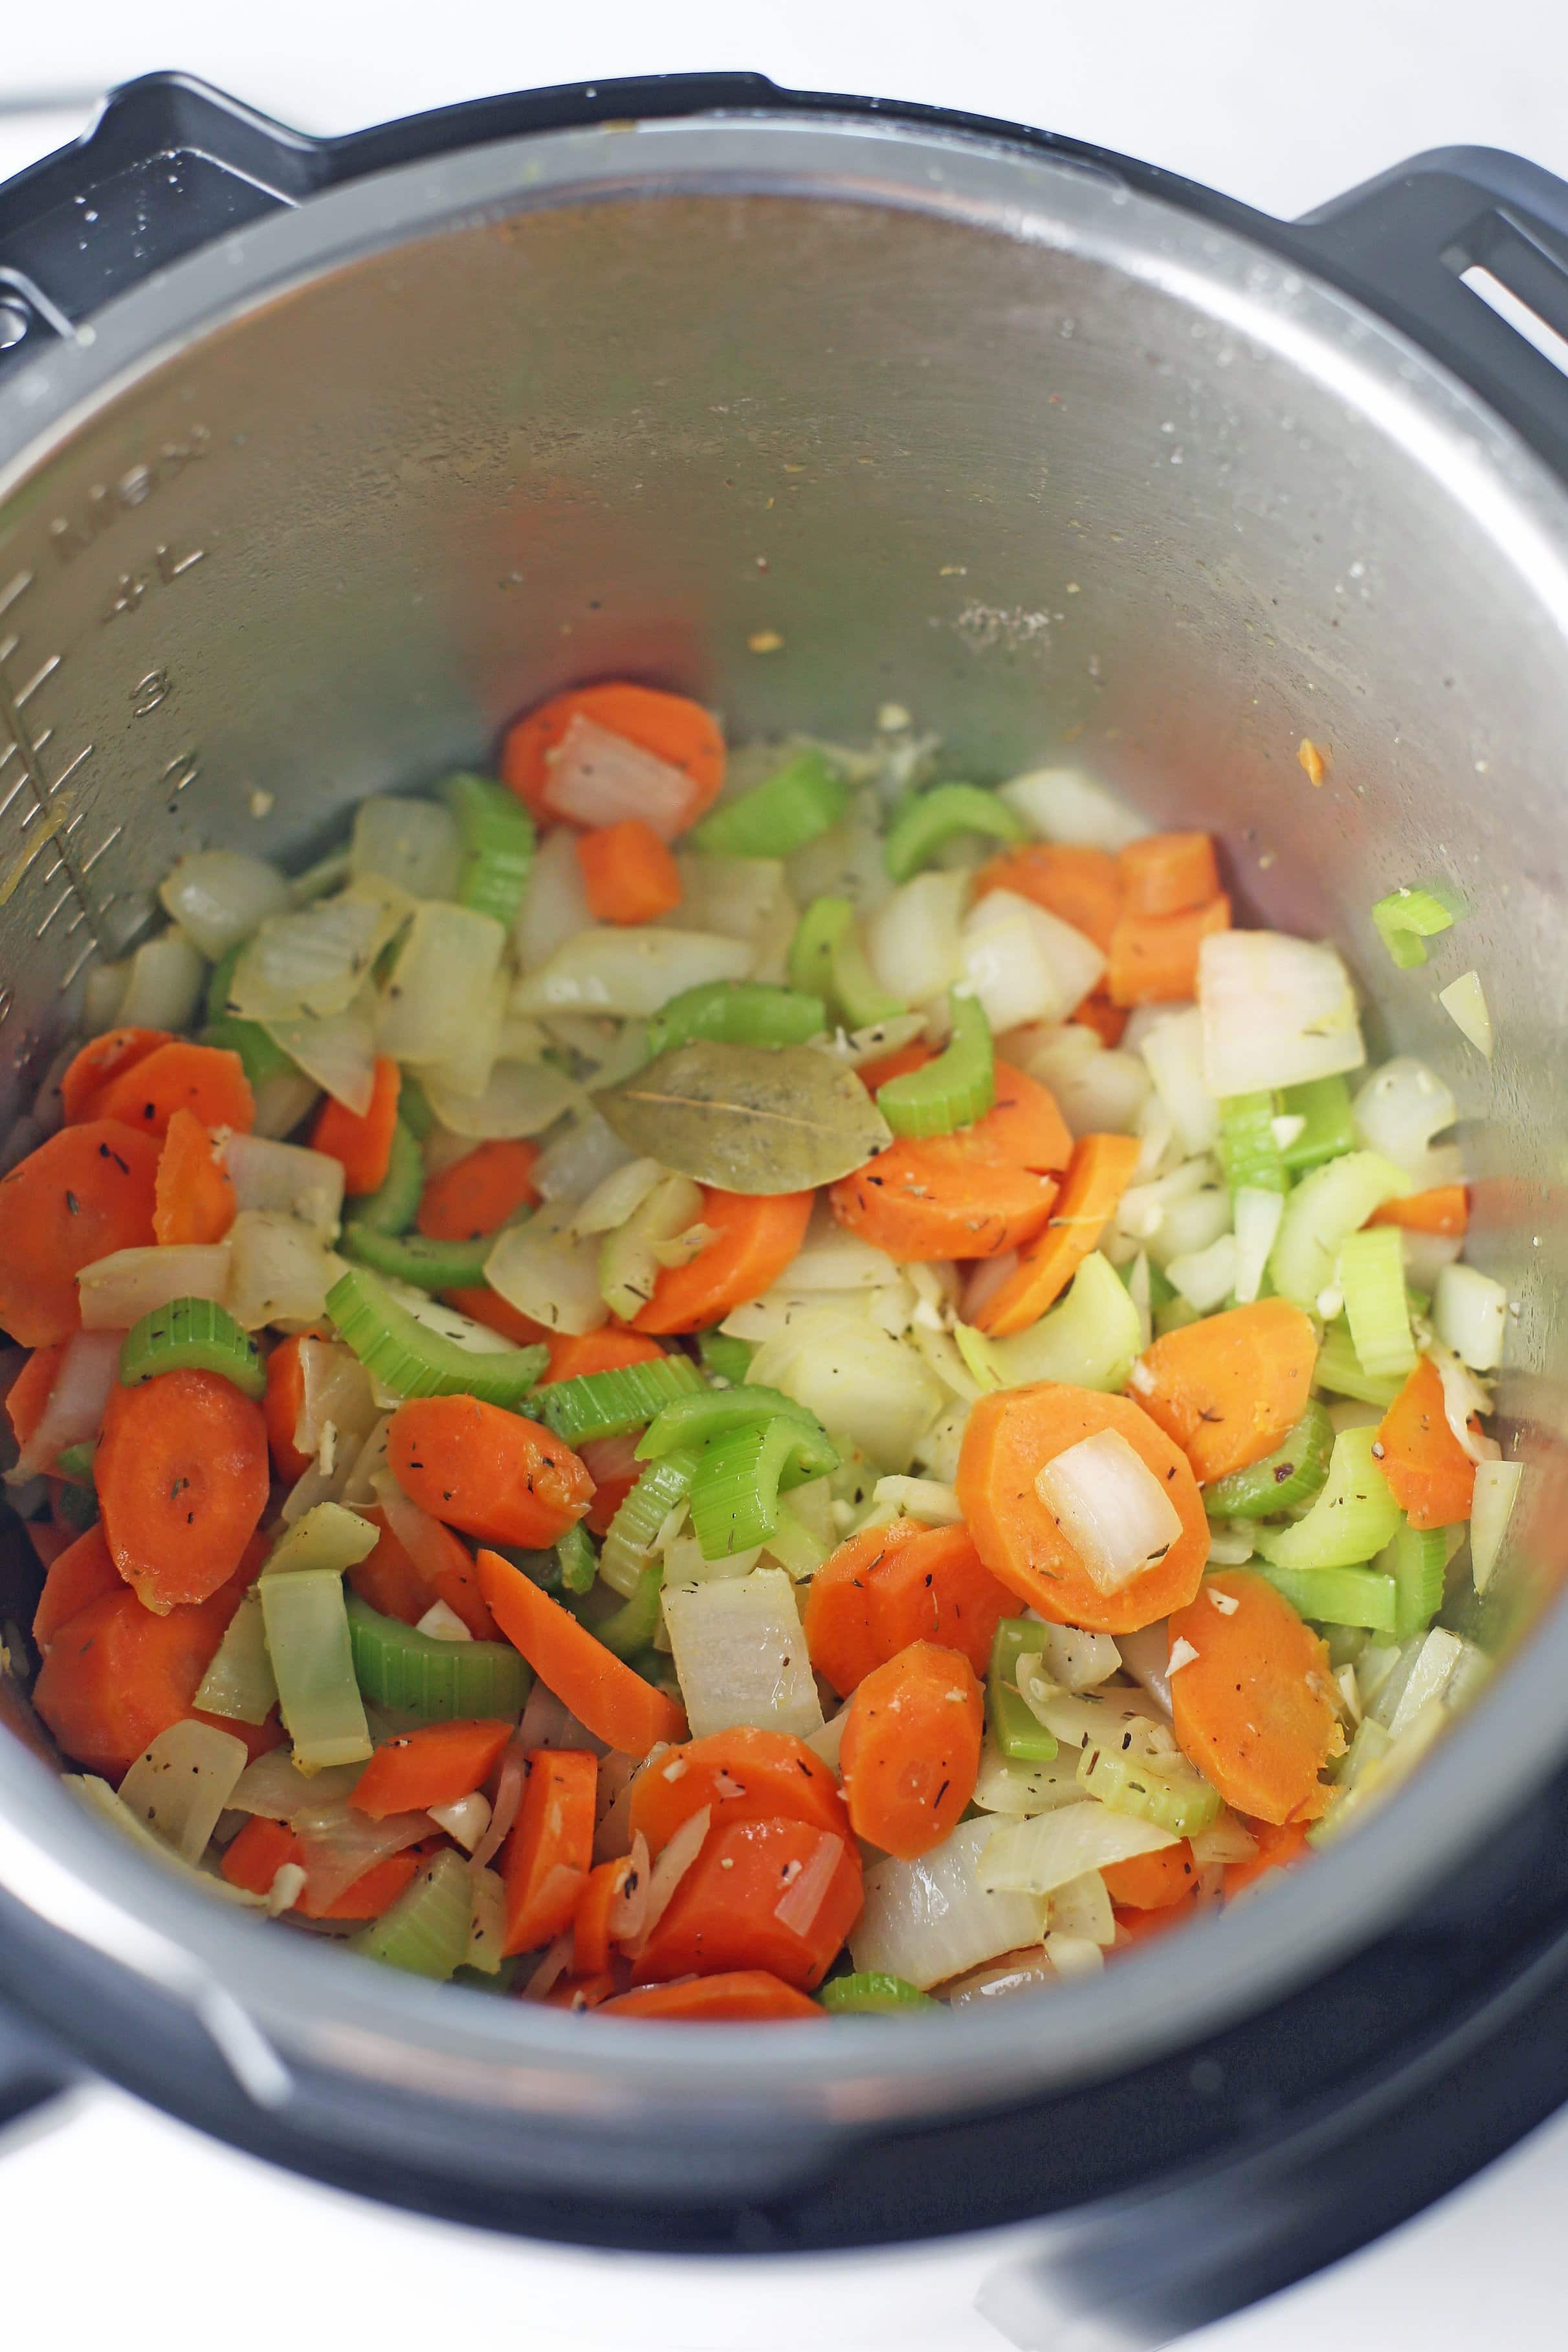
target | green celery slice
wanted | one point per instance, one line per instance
(607, 1404)
(1294, 1474)
(262, 1056)
(629, 1543)
(1372, 1277)
(1249, 1153)
(737, 1012)
(726, 1359)
(956, 1089)
(780, 816)
(413, 1361)
(811, 959)
(1167, 1792)
(390, 1210)
(861, 999)
(735, 1495)
(398, 1666)
(240, 1682)
(414, 1258)
(577, 1559)
(312, 1657)
(1338, 1596)
(497, 838)
(1019, 1734)
(414, 1108)
(1353, 1516)
(872, 1992)
(922, 825)
(694, 1420)
(1418, 1560)
(1329, 1132)
(1406, 918)
(1338, 1369)
(215, 1004)
(1322, 1213)
(76, 1463)
(192, 1335)
(426, 1931)
(633, 1625)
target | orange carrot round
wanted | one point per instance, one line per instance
(437, 1764)
(670, 726)
(837, 1619)
(1169, 873)
(483, 1305)
(943, 1196)
(1444, 1210)
(726, 1913)
(1078, 886)
(1152, 1882)
(89, 1190)
(183, 1482)
(911, 1749)
(1429, 1475)
(494, 1473)
(387, 1578)
(116, 1675)
(362, 1140)
(1134, 1927)
(207, 1080)
(28, 1394)
(1011, 1436)
(101, 1060)
(1229, 1388)
(194, 1198)
(754, 1238)
(1250, 1708)
(549, 1852)
(606, 1696)
(937, 1589)
(744, 1775)
(282, 1406)
(478, 1193)
(610, 1349)
(628, 873)
(1023, 1125)
(739, 1997)
(84, 1572)
(1153, 958)
(1099, 1173)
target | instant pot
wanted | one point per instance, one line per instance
(318, 460)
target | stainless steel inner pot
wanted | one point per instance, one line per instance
(1076, 474)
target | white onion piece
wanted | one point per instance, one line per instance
(617, 1197)
(357, 1489)
(1464, 1001)
(73, 1410)
(740, 1655)
(338, 1844)
(826, 1743)
(1073, 1955)
(1226, 1840)
(797, 1906)
(1190, 1225)
(1496, 1492)
(1172, 1054)
(1064, 804)
(467, 1071)
(1025, 964)
(576, 1160)
(1038, 1855)
(629, 1911)
(308, 964)
(519, 1098)
(544, 1271)
(103, 993)
(1463, 1399)
(449, 960)
(443, 1624)
(412, 842)
(335, 1395)
(1078, 1660)
(1133, 1721)
(1256, 1215)
(1205, 1277)
(1105, 1095)
(912, 940)
(548, 1722)
(630, 972)
(1112, 1508)
(100, 1799)
(831, 1259)
(555, 904)
(424, 1539)
(275, 1787)
(1020, 1789)
(1397, 1112)
(282, 1102)
(182, 1780)
(288, 1884)
(1024, 1972)
(556, 1964)
(278, 1272)
(845, 862)
(864, 1385)
(220, 895)
(675, 1860)
(926, 1499)
(931, 1920)
(593, 777)
(1082, 1907)
(1277, 1011)
(117, 1290)
(338, 1051)
(1146, 1655)
(165, 984)
(288, 1178)
(1469, 1315)
(487, 1928)
(510, 1782)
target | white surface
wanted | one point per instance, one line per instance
(1283, 107)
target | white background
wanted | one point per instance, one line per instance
(119, 2228)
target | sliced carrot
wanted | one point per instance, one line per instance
(1134, 1927)
(740, 1997)
(362, 1140)
(183, 1482)
(255, 1855)
(1152, 1882)
(628, 873)
(1444, 1210)
(744, 1775)
(30, 1392)
(911, 1749)
(282, 1406)
(84, 1572)
(943, 1196)
(1170, 873)
(496, 1474)
(48, 1540)
(611, 1463)
(436, 1764)
(101, 1060)
(478, 1193)
(115, 1675)
(840, 1638)
(578, 1993)
(610, 1349)
(443, 1565)
(206, 1080)
(1099, 1173)
(483, 1305)
(1153, 958)
(1280, 1845)
(607, 1698)
(1229, 1388)
(263, 1848)
(590, 1948)
(194, 1198)
(1080, 887)
(1250, 1707)
(1431, 1476)
(1023, 1124)
(1011, 1436)
(549, 1852)
(936, 1589)
(754, 1238)
(674, 729)
(725, 1911)
(1097, 1013)
(87, 1191)
(387, 1578)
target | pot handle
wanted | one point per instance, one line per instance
(1465, 249)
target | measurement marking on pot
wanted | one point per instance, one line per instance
(15, 589)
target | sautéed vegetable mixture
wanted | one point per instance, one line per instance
(742, 1393)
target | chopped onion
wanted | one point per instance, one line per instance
(797, 1908)
(825, 1744)
(1277, 1011)
(912, 940)
(117, 1290)
(510, 1782)
(219, 896)
(593, 777)
(308, 964)
(1256, 1215)
(831, 1259)
(444, 1624)
(339, 1052)
(1078, 1660)
(1082, 1907)
(617, 1197)
(1018, 1789)
(275, 1787)
(745, 899)
(1226, 1840)
(103, 993)
(357, 1488)
(1064, 804)
(520, 1098)
(740, 1655)
(182, 1780)
(1038, 1855)
(425, 1540)
(544, 1271)
(338, 1844)
(867, 1388)
(279, 1271)
(335, 1395)
(548, 1722)
(1205, 1277)
(921, 1498)
(556, 1963)
(675, 1859)
(1398, 1110)
(1496, 1492)
(449, 960)
(1105, 1095)
(1022, 1972)
(1073, 1955)
(1469, 1315)
(84, 1380)
(1189, 1226)
(1172, 1054)
(286, 1178)
(931, 1920)
(581, 1157)
(288, 1884)
(467, 1072)
(1135, 1721)
(1111, 1507)
(164, 988)
(845, 862)
(101, 1800)
(629, 1911)
(412, 842)
(629, 973)
(555, 904)
(1463, 1399)
(1023, 963)
(1464, 1001)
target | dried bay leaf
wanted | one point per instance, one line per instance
(748, 1118)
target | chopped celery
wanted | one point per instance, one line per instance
(1338, 1596)
(1416, 1560)
(390, 1208)
(693, 1420)
(577, 1559)
(607, 1404)
(437, 1682)
(630, 1540)
(1089, 1340)
(922, 825)
(1320, 1214)
(1338, 1369)
(735, 1493)
(858, 995)
(75, 1462)
(1175, 1314)
(414, 1108)
(192, 1335)
(1328, 1128)
(956, 1089)
(811, 948)
(497, 838)
(1249, 1151)
(240, 1683)
(261, 1055)
(215, 1004)
(872, 1992)
(414, 1258)
(630, 1629)
(726, 1359)
(410, 1359)
(737, 1012)
(629, 1260)
(328, 1536)
(308, 1644)
(1372, 1277)
(1020, 1736)
(1351, 1519)
(1291, 1474)
(1407, 919)
(780, 816)
(426, 1931)
(1165, 1791)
